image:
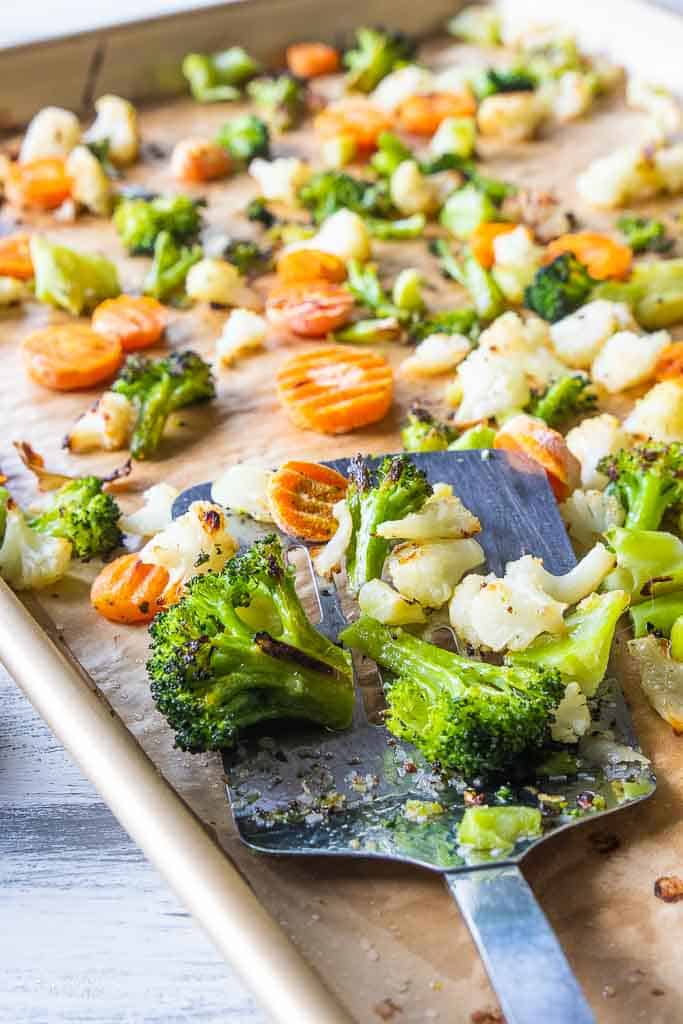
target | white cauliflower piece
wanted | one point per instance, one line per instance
(661, 678)
(516, 260)
(411, 191)
(155, 514)
(382, 602)
(436, 354)
(625, 175)
(30, 560)
(428, 572)
(488, 385)
(344, 234)
(195, 543)
(579, 337)
(503, 614)
(589, 514)
(657, 101)
(117, 124)
(659, 413)
(572, 586)
(90, 185)
(329, 558)
(398, 86)
(573, 95)
(52, 132)
(281, 178)
(593, 439)
(527, 342)
(244, 488)
(442, 517)
(243, 331)
(510, 116)
(12, 291)
(627, 359)
(669, 164)
(106, 427)
(572, 717)
(217, 280)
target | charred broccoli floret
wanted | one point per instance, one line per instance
(648, 480)
(165, 279)
(281, 100)
(257, 211)
(84, 514)
(139, 222)
(564, 398)
(238, 649)
(392, 491)
(465, 714)
(645, 234)
(158, 387)
(377, 52)
(247, 256)
(216, 77)
(423, 433)
(328, 191)
(559, 288)
(495, 80)
(245, 137)
(452, 321)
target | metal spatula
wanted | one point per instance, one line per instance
(306, 791)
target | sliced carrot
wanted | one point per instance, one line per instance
(15, 257)
(310, 265)
(482, 238)
(533, 438)
(309, 310)
(68, 357)
(137, 321)
(670, 362)
(354, 116)
(301, 496)
(128, 590)
(601, 255)
(333, 389)
(43, 183)
(196, 160)
(422, 115)
(308, 60)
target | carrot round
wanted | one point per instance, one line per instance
(68, 357)
(15, 257)
(422, 115)
(533, 438)
(301, 265)
(601, 255)
(670, 362)
(136, 321)
(43, 183)
(129, 591)
(197, 160)
(482, 238)
(308, 60)
(301, 496)
(333, 389)
(356, 117)
(310, 310)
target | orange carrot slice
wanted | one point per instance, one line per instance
(137, 321)
(601, 255)
(529, 436)
(68, 357)
(15, 257)
(354, 116)
(197, 160)
(309, 60)
(309, 310)
(301, 265)
(301, 496)
(482, 238)
(422, 115)
(670, 362)
(43, 183)
(129, 591)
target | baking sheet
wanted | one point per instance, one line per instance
(376, 932)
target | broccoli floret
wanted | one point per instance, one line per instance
(452, 321)
(245, 137)
(645, 234)
(474, 438)
(558, 288)
(82, 513)
(216, 77)
(391, 152)
(139, 222)
(257, 211)
(247, 256)
(463, 713)
(328, 191)
(71, 280)
(394, 490)
(495, 80)
(647, 480)
(422, 433)
(396, 230)
(566, 397)
(158, 387)
(281, 100)
(376, 54)
(238, 649)
(165, 279)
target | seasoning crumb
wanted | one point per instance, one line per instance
(487, 1017)
(657, 992)
(386, 1009)
(608, 992)
(604, 842)
(436, 985)
(669, 888)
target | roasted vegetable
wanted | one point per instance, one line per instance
(558, 288)
(139, 222)
(85, 515)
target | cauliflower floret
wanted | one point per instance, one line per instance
(117, 124)
(382, 602)
(488, 385)
(661, 678)
(280, 179)
(400, 85)
(155, 514)
(244, 488)
(12, 291)
(572, 586)
(625, 175)
(527, 343)
(572, 717)
(669, 164)
(107, 426)
(589, 514)
(52, 132)
(579, 337)
(243, 331)
(516, 260)
(195, 543)
(427, 573)
(437, 354)
(30, 560)
(510, 116)
(216, 280)
(590, 441)
(411, 191)
(442, 517)
(657, 101)
(659, 413)
(329, 558)
(90, 185)
(344, 234)
(627, 359)
(573, 95)
(503, 614)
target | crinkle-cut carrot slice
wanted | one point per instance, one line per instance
(129, 591)
(310, 310)
(302, 495)
(15, 257)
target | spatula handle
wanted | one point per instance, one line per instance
(524, 960)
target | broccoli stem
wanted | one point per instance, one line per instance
(657, 615)
(648, 500)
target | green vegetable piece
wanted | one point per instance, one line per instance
(495, 80)
(465, 210)
(653, 560)
(453, 321)
(281, 100)
(245, 137)
(479, 436)
(581, 654)
(456, 136)
(676, 649)
(338, 151)
(407, 290)
(654, 291)
(328, 191)
(498, 829)
(70, 280)
(476, 24)
(215, 77)
(370, 332)
(375, 55)
(165, 279)
(257, 211)
(140, 221)
(213, 675)
(364, 284)
(82, 513)
(625, 789)
(485, 294)
(247, 256)
(422, 433)
(558, 288)
(397, 230)
(391, 152)
(647, 480)
(564, 398)
(656, 615)
(645, 234)
(4, 499)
